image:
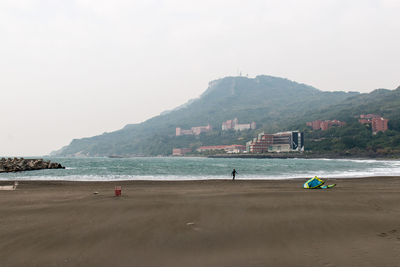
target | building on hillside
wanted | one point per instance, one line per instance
(180, 151)
(278, 142)
(193, 131)
(227, 149)
(378, 123)
(201, 129)
(234, 125)
(369, 116)
(315, 125)
(180, 131)
(324, 125)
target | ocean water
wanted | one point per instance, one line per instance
(169, 168)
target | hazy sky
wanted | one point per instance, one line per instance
(72, 69)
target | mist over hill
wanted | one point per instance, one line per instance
(273, 103)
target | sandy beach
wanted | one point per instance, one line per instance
(201, 223)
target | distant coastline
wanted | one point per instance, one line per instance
(305, 155)
(343, 155)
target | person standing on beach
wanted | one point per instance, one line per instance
(233, 174)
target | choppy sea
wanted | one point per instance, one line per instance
(170, 168)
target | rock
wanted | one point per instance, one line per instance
(21, 164)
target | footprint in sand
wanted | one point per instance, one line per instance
(392, 234)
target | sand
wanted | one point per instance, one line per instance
(201, 223)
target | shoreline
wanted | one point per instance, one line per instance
(237, 179)
(300, 181)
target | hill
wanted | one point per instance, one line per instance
(355, 138)
(273, 103)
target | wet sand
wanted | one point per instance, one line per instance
(201, 223)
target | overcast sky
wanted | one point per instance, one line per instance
(72, 69)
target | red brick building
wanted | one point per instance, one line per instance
(378, 123)
(324, 125)
(369, 116)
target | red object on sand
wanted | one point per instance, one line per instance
(118, 191)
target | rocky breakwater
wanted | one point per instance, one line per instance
(21, 164)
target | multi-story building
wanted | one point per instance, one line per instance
(193, 131)
(315, 125)
(234, 125)
(227, 149)
(378, 124)
(369, 116)
(279, 142)
(324, 125)
(201, 129)
(180, 131)
(228, 125)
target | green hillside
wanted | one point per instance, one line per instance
(356, 138)
(273, 103)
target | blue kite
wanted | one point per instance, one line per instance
(317, 183)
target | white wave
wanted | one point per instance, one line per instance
(350, 160)
(267, 171)
(98, 178)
